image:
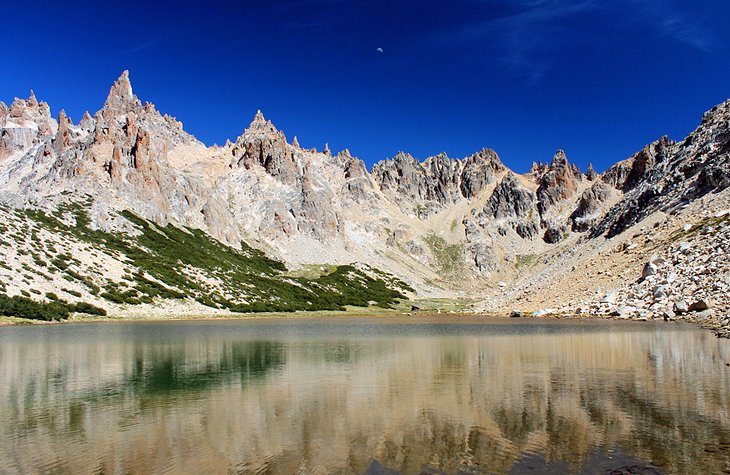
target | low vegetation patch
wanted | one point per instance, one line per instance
(23, 307)
(450, 257)
(173, 262)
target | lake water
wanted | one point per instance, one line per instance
(358, 395)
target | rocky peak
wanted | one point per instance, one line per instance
(558, 183)
(261, 129)
(626, 174)
(60, 143)
(121, 99)
(403, 174)
(591, 173)
(478, 171)
(264, 145)
(559, 160)
(32, 101)
(86, 122)
(665, 175)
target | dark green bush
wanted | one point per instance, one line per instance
(26, 308)
(83, 307)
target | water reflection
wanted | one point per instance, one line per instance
(314, 397)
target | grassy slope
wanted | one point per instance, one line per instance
(175, 263)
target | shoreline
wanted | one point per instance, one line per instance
(428, 317)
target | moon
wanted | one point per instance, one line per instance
(379, 50)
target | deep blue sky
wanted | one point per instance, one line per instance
(597, 78)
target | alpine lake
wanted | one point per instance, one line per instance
(364, 395)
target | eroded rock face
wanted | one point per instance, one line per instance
(443, 175)
(358, 185)
(514, 205)
(24, 124)
(626, 174)
(664, 175)
(557, 184)
(478, 171)
(588, 209)
(403, 175)
(437, 182)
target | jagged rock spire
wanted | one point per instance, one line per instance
(121, 97)
(559, 159)
(258, 119)
(591, 172)
(260, 129)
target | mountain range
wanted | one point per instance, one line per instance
(129, 211)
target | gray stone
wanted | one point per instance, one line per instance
(680, 306)
(649, 269)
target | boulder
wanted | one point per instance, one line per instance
(649, 269)
(699, 305)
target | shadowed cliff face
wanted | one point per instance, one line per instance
(334, 396)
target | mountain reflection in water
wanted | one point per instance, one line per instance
(323, 396)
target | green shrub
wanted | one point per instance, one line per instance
(83, 307)
(26, 308)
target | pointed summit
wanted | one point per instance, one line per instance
(559, 159)
(259, 123)
(259, 118)
(295, 142)
(32, 101)
(261, 128)
(121, 98)
(591, 172)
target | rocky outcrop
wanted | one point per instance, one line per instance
(262, 144)
(626, 174)
(589, 207)
(555, 232)
(512, 205)
(670, 174)
(478, 171)
(558, 183)
(25, 123)
(437, 182)
(591, 174)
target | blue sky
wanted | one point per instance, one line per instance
(599, 79)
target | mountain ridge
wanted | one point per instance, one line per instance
(448, 227)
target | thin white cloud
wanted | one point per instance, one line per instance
(674, 24)
(523, 35)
